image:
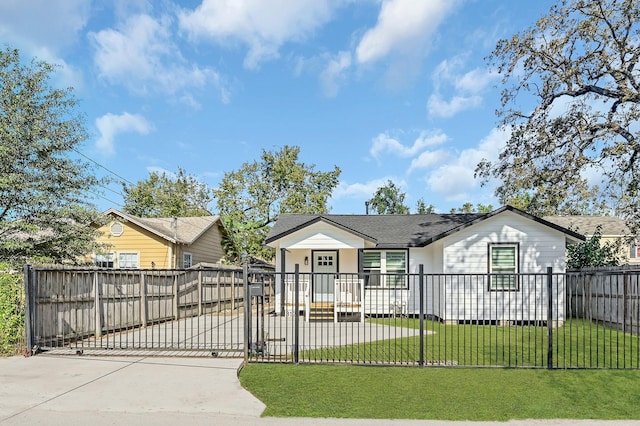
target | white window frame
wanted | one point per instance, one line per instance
(100, 259)
(634, 251)
(186, 255)
(379, 277)
(116, 229)
(131, 253)
(494, 271)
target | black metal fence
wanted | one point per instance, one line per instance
(582, 319)
(548, 320)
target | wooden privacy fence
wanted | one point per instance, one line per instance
(610, 296)
(97, 307)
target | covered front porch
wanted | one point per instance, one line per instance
(323, 296)
(336, 285)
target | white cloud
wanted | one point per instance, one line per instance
(456, 179)
(264, 26)
(366, 190)
(403, 26)
(110, 125)
(385, 143)
(428, 159)
(333, 74)
(41, 28)
(141, 55)
(467, 88)
(438, 107)
(50, 23)
(475, 81)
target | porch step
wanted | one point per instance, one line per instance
(321, 311)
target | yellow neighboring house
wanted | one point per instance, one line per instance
(613, 230)
(161, 243)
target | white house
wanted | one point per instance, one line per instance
(477, 267)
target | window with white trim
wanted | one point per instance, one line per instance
(503, 266)
(104, 260)
(128, 260)
(635, 251)
(385, 268)
(187, 260)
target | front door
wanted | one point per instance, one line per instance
(325, 266)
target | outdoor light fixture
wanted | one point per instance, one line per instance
(306, 260)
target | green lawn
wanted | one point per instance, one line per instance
(577, 344)
(481, 394)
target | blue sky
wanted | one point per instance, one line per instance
(384, 89)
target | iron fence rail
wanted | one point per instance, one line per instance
(582, 319)
(545, 320)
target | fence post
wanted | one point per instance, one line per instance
(176, 298)
(550, 317)
(421, 290)
(283, 289)
(233, 291)
(97, 306)
(625, 301)
(218, 289)
(247, 310)
(143, 300)
(296, 312)
(28, 320)
(200, 292)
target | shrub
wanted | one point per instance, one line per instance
(12, 336)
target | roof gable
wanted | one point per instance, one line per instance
(182, 230)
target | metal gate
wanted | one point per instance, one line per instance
(197, 312)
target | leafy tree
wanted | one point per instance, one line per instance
(470, 208)
(579, 67)
(592, 253)
(251, 199)
(423, 208)
(484, 208)
(164, 195)
(388, 199)
(44, 212)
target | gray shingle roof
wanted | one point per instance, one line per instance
(185, 231)
(384, 230)
(611, 226)
(396, 231)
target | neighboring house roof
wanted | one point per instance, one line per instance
(182, 230)
(396, 231)
(610, 226)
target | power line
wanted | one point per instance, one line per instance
(103, 167)
(123, 179)
(106, 199)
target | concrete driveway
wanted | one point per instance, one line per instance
(87, 390)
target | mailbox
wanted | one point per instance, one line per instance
(256, 290)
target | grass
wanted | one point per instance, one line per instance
(482, 394)
(577, 344)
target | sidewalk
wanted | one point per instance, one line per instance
(71, 390)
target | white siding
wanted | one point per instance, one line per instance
(431, 258)
(386, 301)
(540, 246)
(466, 252)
